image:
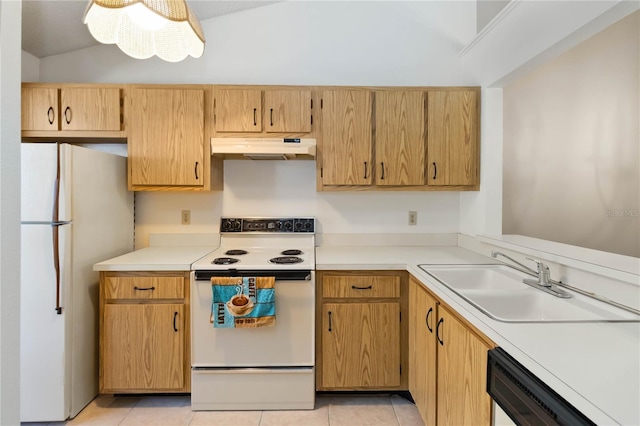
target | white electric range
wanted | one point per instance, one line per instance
(266, 368)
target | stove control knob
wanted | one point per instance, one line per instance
(298, 226)
(288, 225)
(308, 226)
(230, 225)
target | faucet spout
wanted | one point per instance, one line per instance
(495, 255)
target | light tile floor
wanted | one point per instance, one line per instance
(331, 410)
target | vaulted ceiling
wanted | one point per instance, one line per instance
(51, 27)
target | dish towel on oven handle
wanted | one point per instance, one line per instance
(243, 302)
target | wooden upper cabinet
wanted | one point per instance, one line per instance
(238, 110)
(400, 137)
(166, 137)
(39, 108)
(287, 111)
(89, 109)
(452, 137)
(346, 137)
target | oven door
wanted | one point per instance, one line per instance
(289, 343)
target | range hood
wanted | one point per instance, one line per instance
(264, 148)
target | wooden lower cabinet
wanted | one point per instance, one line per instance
(360, 336)
(144, 332)
(422, 351)
(448, 363)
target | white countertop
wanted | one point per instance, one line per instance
(159, 258)
(594, 366)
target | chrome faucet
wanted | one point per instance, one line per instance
(543, 276)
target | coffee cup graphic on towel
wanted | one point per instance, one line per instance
(240, 305)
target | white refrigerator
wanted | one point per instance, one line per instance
(75, 211)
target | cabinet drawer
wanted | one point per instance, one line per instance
(361, 286)
(144, 288)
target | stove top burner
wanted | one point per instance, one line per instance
(224, 260)
(282, 260)
(292, 252)
(237, 252)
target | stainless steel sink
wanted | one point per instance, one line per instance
(498, 292)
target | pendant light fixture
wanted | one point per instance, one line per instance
(143, 28)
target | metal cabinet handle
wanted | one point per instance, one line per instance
(329, 320)
(441, 341)
(361, 288)
(365, 169)
(255, 117)
(271, 117)
(195, 169)
(67, 115)
(426, 320)
(51, 115)
(435, 170)
(144, 288)
(175, 316)
(382, 165)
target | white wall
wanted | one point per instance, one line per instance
(307, 43)
(10, 25)
(276, 188)
(30, 67)
(572, 145)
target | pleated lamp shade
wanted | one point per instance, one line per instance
(143, 28)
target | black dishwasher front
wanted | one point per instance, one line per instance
(524, 397)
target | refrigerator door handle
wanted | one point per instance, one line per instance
(56, 234)
(56, 263)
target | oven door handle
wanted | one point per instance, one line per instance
(280, 275)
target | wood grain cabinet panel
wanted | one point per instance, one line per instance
(144, 288)
(64, 111)
(462, 366)
(39, 108)
(422, 350)
(361, 345)
(287, 111)
(361, 340)
(367, 286)
(143, 347)
(452, 146)
(346, 137)
(238, 110)
(447, 362)
(401, 146)
(166, 137)
(144, 332)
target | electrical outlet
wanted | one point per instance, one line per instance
(186, 217)
(413, 218)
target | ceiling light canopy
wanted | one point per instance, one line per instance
(143, 28)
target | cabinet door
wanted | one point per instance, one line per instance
(346, 137)
(401, 146)
(452, 147)
(462, 374)
(143, 347)
(166, 137)
(90, 109)
(360, 345)
(238, 110)
(39, 108)
(287, 110)
(422, 351)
